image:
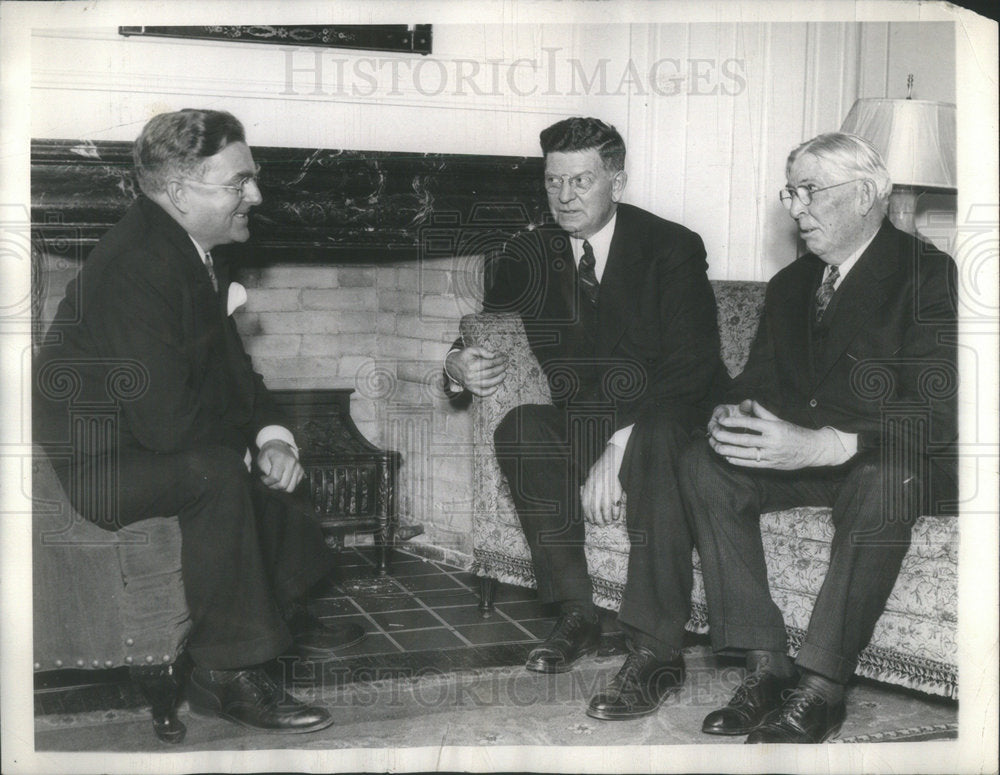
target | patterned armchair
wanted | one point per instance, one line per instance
(914, 641)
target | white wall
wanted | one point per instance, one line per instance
(708, 111)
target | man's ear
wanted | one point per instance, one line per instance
(177, 194)
(618, 185)
(867, 196)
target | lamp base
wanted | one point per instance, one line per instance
(903, 208)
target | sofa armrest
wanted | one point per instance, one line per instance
(525, 382)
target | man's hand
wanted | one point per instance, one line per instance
(281, 469)
(479, 370)
(751, 436)
(601, 495)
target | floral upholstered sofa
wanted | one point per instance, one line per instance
(914, 642)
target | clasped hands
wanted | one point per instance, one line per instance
(478, 370)
(279, 466)
(747, 434)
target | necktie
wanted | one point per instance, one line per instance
(588, 277)
(211, 271)
(825, 292)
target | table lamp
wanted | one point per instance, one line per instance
(917, 141)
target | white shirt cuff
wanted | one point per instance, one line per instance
(276, 432)
(849, 441)
(621, 437)
(454, 386)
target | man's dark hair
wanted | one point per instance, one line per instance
(179, 143)
(583, 134)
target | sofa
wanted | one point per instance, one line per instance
(914, 643)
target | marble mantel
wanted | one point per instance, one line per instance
(320, 205)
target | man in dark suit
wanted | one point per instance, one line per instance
(619, 311)
(847, 400)
(147, 327)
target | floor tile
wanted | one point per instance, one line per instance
(527, 609)
(463, 614)
(448, 597)
(429, 582)
(332, 606)
(400, 621)
(373, 643)
(421, 640)
(493, 632)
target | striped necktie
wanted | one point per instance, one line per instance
(588, 277)
(211, 271)
(825, 292)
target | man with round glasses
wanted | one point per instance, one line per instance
(151, 297)
(848, 401)
(619, 311)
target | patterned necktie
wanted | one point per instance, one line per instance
(211, 271)
(825, 292)
(588, 277)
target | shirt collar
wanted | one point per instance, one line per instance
(201, 251)
(847, 265)
(600, 242)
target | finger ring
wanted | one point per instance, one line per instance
(758, 454)
(618, 502)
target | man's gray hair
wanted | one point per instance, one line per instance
(173, 144)
(850, 154)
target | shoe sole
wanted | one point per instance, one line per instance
(559, 667)
(605, 716)
(720, 733)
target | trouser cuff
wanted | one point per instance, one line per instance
(744, 637)
(828, 664)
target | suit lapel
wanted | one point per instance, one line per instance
(860, 294)
(793, 309)
(616, 305)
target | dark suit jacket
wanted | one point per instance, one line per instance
(656, 340)
(885, 351)
(143, 329)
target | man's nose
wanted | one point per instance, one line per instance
(796, 208)
(566, 191)
(252, 194)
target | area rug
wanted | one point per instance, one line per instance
(499, 706)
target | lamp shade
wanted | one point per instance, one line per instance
(915, 137)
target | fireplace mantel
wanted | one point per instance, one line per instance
(320, 205)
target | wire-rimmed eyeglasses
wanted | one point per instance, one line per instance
(580, 184)
(239, 188)
(805, 193)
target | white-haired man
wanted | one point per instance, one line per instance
(847, 401)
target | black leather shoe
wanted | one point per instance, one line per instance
(640, 687)
(315, 639)
(758, 695)
(251, 699)
(573, 636)
(804, 717)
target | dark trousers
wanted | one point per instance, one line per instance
(246, 550)
(545, 453)
(874, 507)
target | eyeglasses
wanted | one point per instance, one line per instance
(805, 193)
(580, 184)
(239, 188)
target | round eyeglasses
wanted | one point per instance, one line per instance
(805, 193)
(580, 184)
(239, 188)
